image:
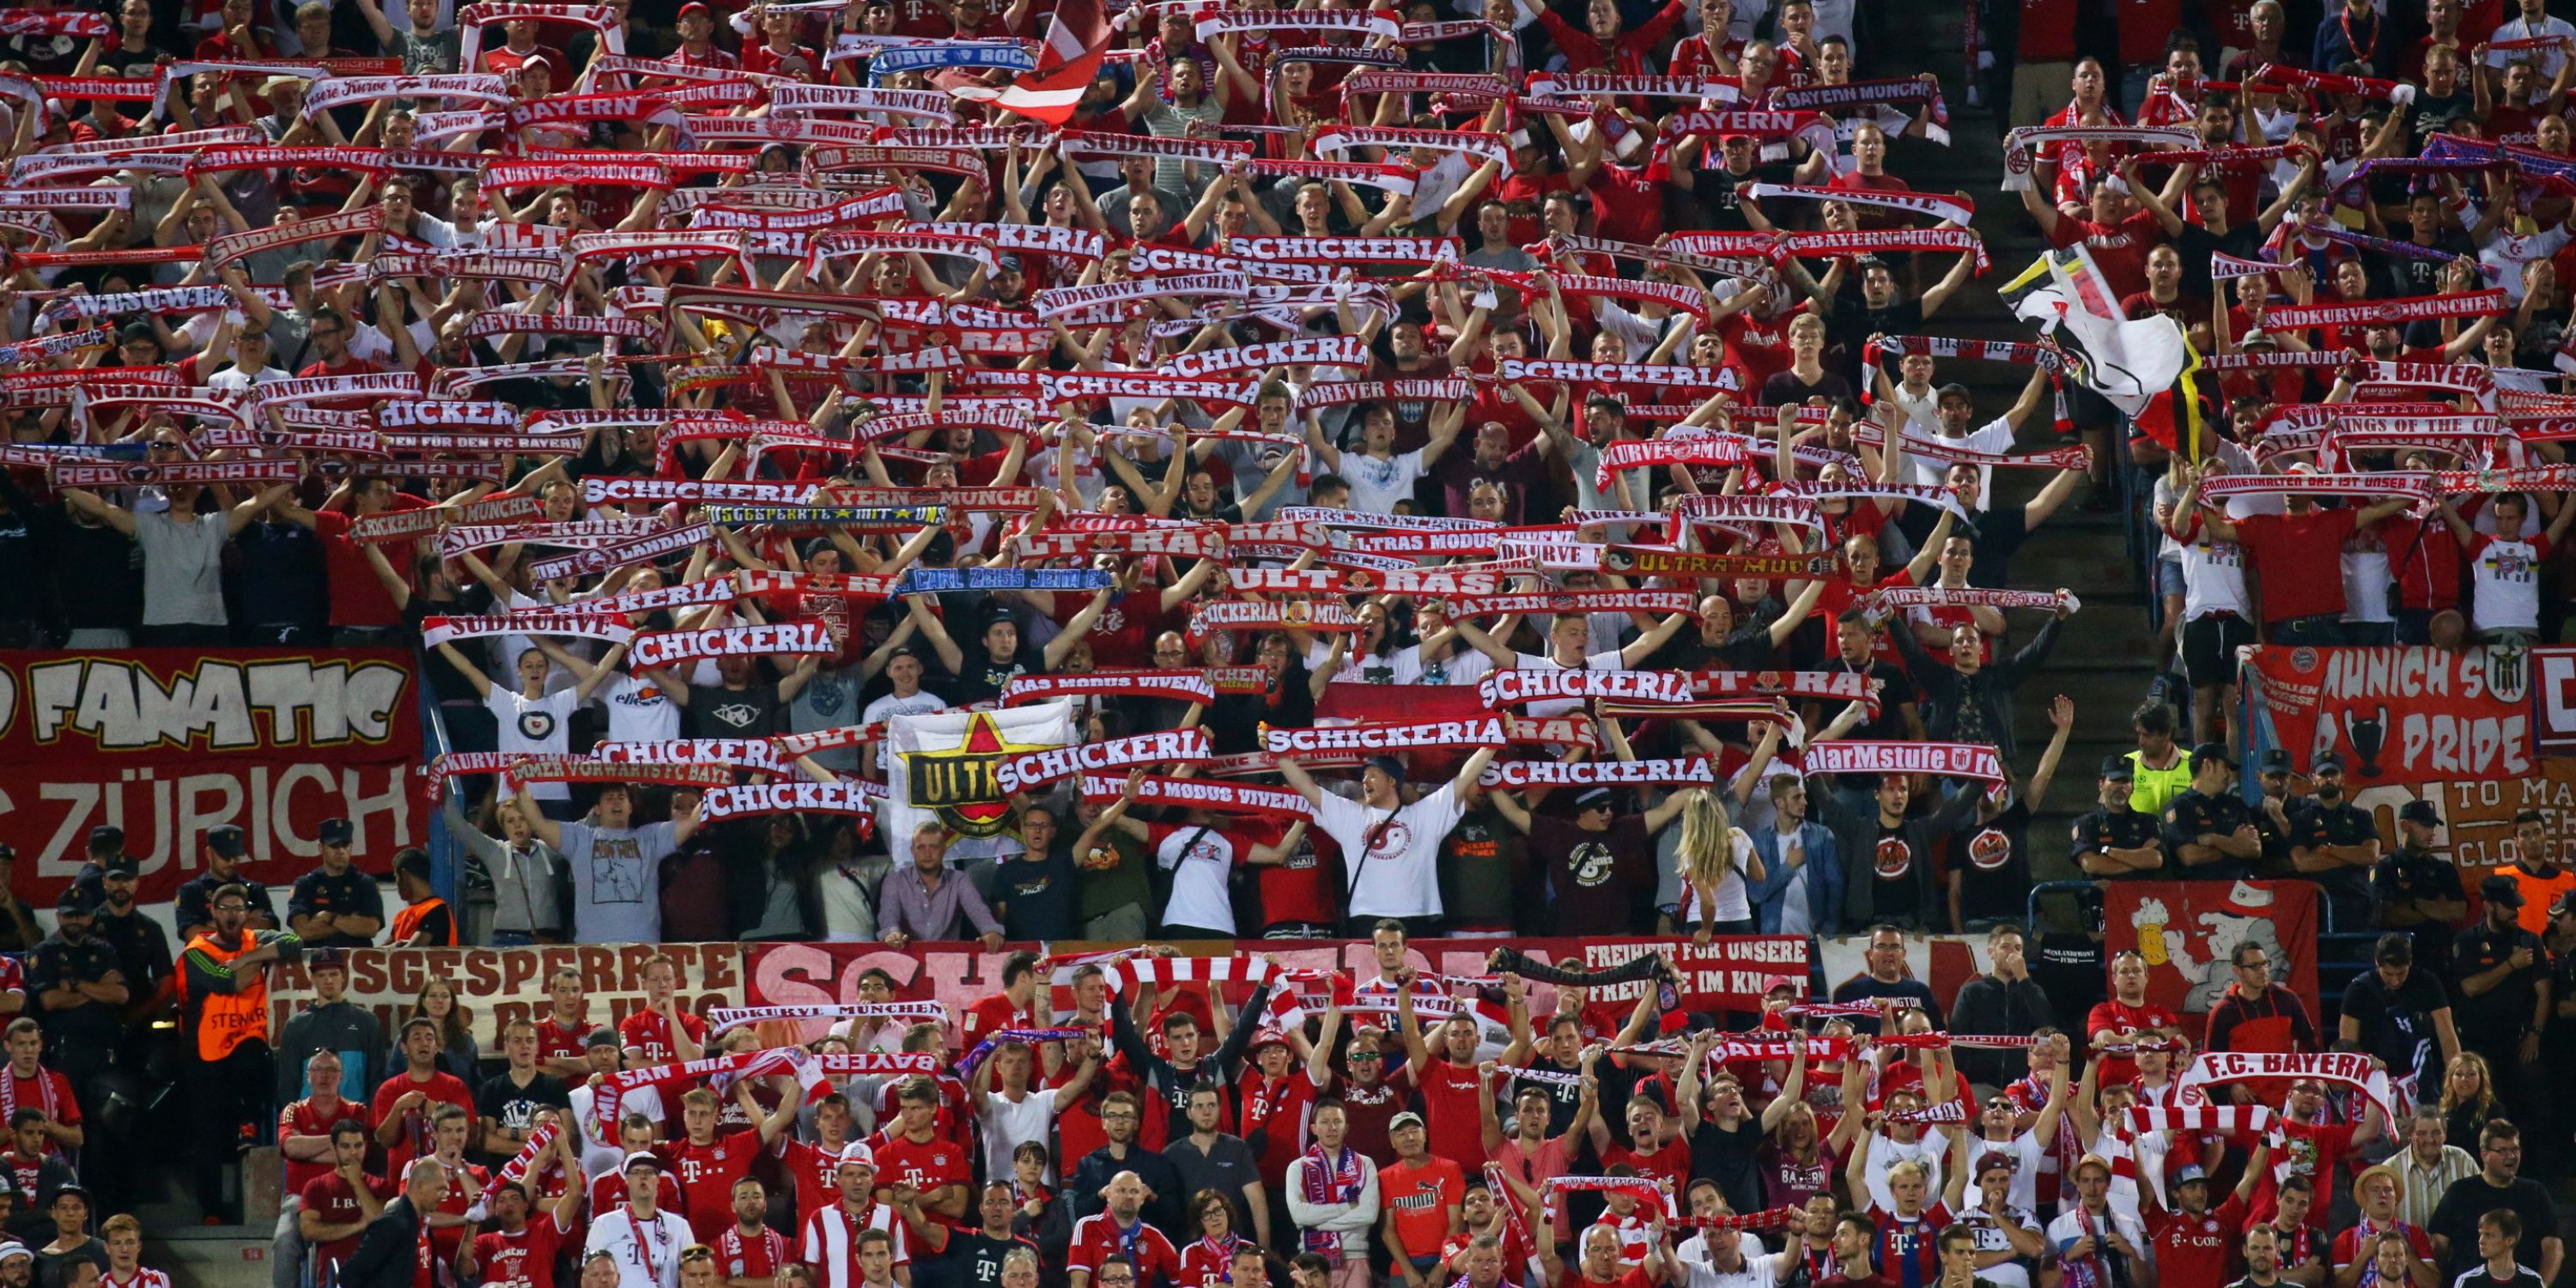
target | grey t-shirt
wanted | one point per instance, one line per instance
(1171, 121)
(183, 569)
(616, 881)
(1226, 1167)
(426, 55)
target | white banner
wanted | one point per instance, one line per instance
(940, 769)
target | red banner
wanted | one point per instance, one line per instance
(2187, 929)
(2399, 715)
(167, 743)
(1727, 973)
(507, 984)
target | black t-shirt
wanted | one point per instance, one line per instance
(1992, 860)
(2421, 876)
(2314, 823)
(2243, 240)
(2124, 830)
(1890, 864)
(281, 579)
(1728, 1158)
(1998, 533)
(1895, 689)
(2471, 1197)
(1854, 322)
(979, 678)
(1035, 899)
(197, 899)
(1563, 1098)
(503, 1103)
(2397, 1024)
(2192, 815)
(976, 1257)
(718, 712)
(1713, 189)
(1589, 874)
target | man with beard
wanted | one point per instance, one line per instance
(2419, 890)
(2207, 828)
(2504, 1003)
(1895, 888)
(2336, 844)
(224, 852)
(1121, 1118)
(135, 935)
(79, 984)
(2499, 1184)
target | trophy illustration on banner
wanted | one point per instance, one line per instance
(2368, 736)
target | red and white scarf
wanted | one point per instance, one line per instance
(1485, 732)
(2420, 308)
(662, 648)
(1948, 209)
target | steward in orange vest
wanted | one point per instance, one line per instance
(223, 1002)
(425, 920)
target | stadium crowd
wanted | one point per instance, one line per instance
(1517, 432)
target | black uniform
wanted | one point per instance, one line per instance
(351, 892)
(196, 903)
(2125, 829)
(2192, 815)
(2419, 876)
(2348, 890)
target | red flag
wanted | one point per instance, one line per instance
(1075, 40)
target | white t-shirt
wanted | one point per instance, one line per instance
(2026, 1154)
(533, 727)
(639, 709)
(647, 1249)
(1989, 1229)
(1758, 1272)
(1559, 706)
(1930, 1151)
(2366, 578)
(2213, 577)
(1732, 904)
(1464, 666)
(1007, 1126)
(1995, 436)
(2551, 57)
(1397, 859)
(1199, 859)
(922, 702)
(1377, 485)
(2077, 1223)
(2506, 576)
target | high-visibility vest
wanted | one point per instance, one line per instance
(226, 1020)
(407, 922)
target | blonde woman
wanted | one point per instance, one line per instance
(2468, 1098)
(1715, 859)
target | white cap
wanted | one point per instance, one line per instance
(857, 1154)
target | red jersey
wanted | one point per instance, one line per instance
(651, 1030)
(2126, 1022)
(332, 1202)
(413, 1140)
(2316, 1152)
(1208, 1261)
(1904, 1248)
(445, 1240)
(556, 1042)
(522, 1260)
(829, 1242)
(2350, 1245)
(816, 1169)
(1300, 888)
(2202, 1248)
(2047, 31)
(1369, 1110)
(923, 1165)
(1449, 1095)
(753, 1256)
(298, 1119)
(992, 1014)
(1098, 1235)
(707, 1175)
(2285, 549)
(1276, 1116)
(2119, 249)
(1669, 1162)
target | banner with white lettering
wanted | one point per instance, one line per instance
(509, 984)
(2398, 715)
(167, 743)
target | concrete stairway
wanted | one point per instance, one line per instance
(2103, 660)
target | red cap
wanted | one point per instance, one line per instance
(694, 7)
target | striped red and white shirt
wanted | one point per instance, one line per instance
(832, 1239)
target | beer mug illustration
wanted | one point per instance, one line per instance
(2150, 919)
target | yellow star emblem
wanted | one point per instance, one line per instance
(958, 783)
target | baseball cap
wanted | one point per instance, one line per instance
(2189, 1172)
(2275, 761)
(225, 839)
(105, 839)
(2421, 811)
(1268, 1036)
(75, 902)
(2119, 767)
(122, 865)
(640, 1158)
(2094, 1160)
(1009, 263)
(600, 1038)
(1408, 1116)
(335, 831)
(2501, 890)
(321, 958)
(1593, 798)
(2563, 904)
(1725, 139)
(694, 7)
(2209, 751)
(2328, 761)
(1774, 983)
(1389, 766)
(856, 1154)
(13, 1248)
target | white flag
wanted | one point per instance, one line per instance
(939, 769)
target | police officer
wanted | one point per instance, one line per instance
(137, 938)
(335, 905)
(2208, 830)
(2116, 841)
(105, 843)
(223, 850)
(2334, 843)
